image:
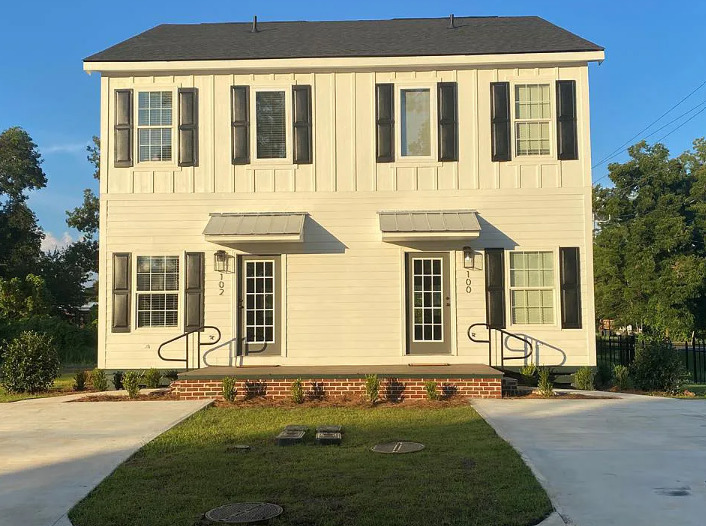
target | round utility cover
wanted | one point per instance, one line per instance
(244, 512)
(398, 447)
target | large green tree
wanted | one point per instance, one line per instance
(649, 254)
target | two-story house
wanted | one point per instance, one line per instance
(347, 194)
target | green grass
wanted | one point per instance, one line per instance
(466, 475)
(62, 385)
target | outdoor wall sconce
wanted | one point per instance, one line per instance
(468, 258)
(220, 261)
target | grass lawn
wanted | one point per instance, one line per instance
(466, 475)
(62, 385)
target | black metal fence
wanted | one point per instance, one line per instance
(620, 350)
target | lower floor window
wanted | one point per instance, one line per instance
(157, 291)
(532, 288)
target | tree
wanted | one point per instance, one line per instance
(649, 254)
(65, 274)
(20, 239)
(22, 298)
(20, 164)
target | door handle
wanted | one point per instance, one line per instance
(448, 301)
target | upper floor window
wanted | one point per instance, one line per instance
(532, 119)
(154, 125)
(532, 287)
(415, 114)
(271, 124)
(157, 291)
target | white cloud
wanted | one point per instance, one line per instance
(51, 242)
(78, 147)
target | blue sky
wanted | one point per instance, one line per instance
(655, 56)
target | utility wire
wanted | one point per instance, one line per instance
(619, 148)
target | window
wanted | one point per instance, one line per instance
(427, 290)
(532, 119)
(532, 287)
(260, 301)
(154, 125)
(415, 114)
(271, 126)
(157, 291)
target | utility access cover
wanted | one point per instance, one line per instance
(244, 512)
(398, 447)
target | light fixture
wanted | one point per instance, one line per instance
(468, 259)
(220, 261)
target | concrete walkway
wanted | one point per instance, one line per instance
(52, 453)
(628, 461)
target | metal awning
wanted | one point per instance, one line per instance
(410, 225)
(251, 227)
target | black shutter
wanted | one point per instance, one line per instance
(188, 127)
(385, 122)
(194, 291)
(495, 287)
(123, 128)
(567, 139)
(448, 121)
(301, 112)
(240, 120)
(121, 292)
(570, 288)
(500, 120)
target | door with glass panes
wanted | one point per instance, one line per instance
(428, 303)
(259, 304)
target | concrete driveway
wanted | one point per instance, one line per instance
(52, 453)
(636, 460)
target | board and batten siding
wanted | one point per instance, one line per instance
(343, 289)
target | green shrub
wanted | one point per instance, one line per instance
(131, 381)
(544, 385)
(430, 386)
(99, 380)
(529, 374)
(622, 377)
(152, 378)
(604, 375)
(228, 388)
(372, 387)
(118, 380)
(583, 379)
(172, 375)
(80, 380)
(658, 367)
(30, 363)
(297, 391)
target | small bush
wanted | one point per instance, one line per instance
(131, 381)
(297, 391)
(80, 380)
(583, 379)
(544, 385)
(604, 376)
(172, 375)
(430, 386)
(152, 378)
(622, 377)
(529, 374)
(228, 389)
(30, 363)
(118, 380)
(372, 387)
(658, 367)
(99, 380)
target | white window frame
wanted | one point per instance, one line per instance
(288, 158)
(555, 289)
(175, 116)
(551, 119)
(433, 117)
(275, 299)
(179, 292)
(441, 306)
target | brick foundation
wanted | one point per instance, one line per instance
(396, 389)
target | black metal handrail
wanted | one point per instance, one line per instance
(503, 332)
(199, 344)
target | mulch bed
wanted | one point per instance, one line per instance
(155, 396)
(343, 401)
(561, 396)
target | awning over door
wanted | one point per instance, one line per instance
(416, 225)
(251, 227)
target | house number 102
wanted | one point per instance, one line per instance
(221, 286)
(468, 282)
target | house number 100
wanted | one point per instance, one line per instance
(221, 286)
(468, 282)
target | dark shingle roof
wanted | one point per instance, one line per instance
(362, 38)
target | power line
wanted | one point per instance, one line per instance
(619, 149)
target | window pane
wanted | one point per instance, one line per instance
(271, 125)
(415, 109)
(532, 293)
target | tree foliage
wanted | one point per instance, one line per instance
(649, 253)
(20, 239)
(22, 298)
(20, 164)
